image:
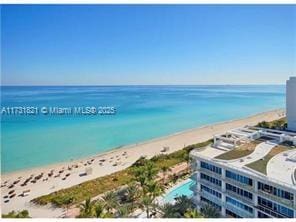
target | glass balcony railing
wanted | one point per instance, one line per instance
(239, 211)
(271, 212)
(239, 184)
(211, 197)
(242, 198)
(209, 172)
(289, 203)
(193, 187)
(194, 176)
(211, 185)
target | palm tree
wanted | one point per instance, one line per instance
(150, 170)
(147, 202)
(169, 211)
(132, 194)
(150, 189)
(86, 208)
(153, 189)
(192, 213)
(99, 210)
(124, 210)
(140, 175)
(210, 211)
(145, 173)
(183, 203)
(110, 201)
(164, 170)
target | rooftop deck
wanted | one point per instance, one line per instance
(264, 156)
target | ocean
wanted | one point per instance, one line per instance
(142, 113)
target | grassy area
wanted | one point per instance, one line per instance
(241, 151)
(19, 214)
(115, 180)
(279, 124)
(260, 165)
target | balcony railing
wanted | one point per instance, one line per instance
(209, 184)
(209, 172)
(193, 187)
(271, 212)
(239, 211)
(242, 198)
(211, 197)
(289, 203)
(239, 184)
(194, 176)
(194, 166)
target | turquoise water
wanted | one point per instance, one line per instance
(184, 189)
(143, 113)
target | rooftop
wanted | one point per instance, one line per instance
(267, 153)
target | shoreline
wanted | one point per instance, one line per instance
(106, 163)
(127, 147)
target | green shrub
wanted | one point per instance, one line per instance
(115, 180)
(19, 214)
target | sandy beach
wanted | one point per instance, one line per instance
(47, 179)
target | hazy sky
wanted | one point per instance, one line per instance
(58, 45)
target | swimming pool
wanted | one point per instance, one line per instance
(183, 189)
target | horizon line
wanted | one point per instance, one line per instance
(226, 84)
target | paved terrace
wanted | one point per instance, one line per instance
(282, 166)
(279, 168)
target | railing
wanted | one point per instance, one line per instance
(289, 203)
(242, 198)
(242, 185)
(193, 187)
(239, 211)
(207, 183)
(271, 212)
(194, 165)
(211, 172)
(211, 197)
(194, 176)
(195, 200)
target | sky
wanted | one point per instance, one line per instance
(147, 44)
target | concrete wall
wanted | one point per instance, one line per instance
(291, 103)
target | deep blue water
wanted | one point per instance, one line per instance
(143, 113)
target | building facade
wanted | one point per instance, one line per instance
(291, 103)
(240, 195)
(239, 191)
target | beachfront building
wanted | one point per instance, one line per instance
(248, 172)
(291, 103)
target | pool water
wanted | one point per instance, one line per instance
(183, 189)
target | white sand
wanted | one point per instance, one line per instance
(150, 148)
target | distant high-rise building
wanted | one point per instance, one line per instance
(291, 103)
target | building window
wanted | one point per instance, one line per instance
(275, 191)
(275, 208)
(211, 203)
(239, 204)
(239, 178)
(211, 167)
(239, 191)
(211, 191)
(231, 214)
(211, 179)
(262, 215)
